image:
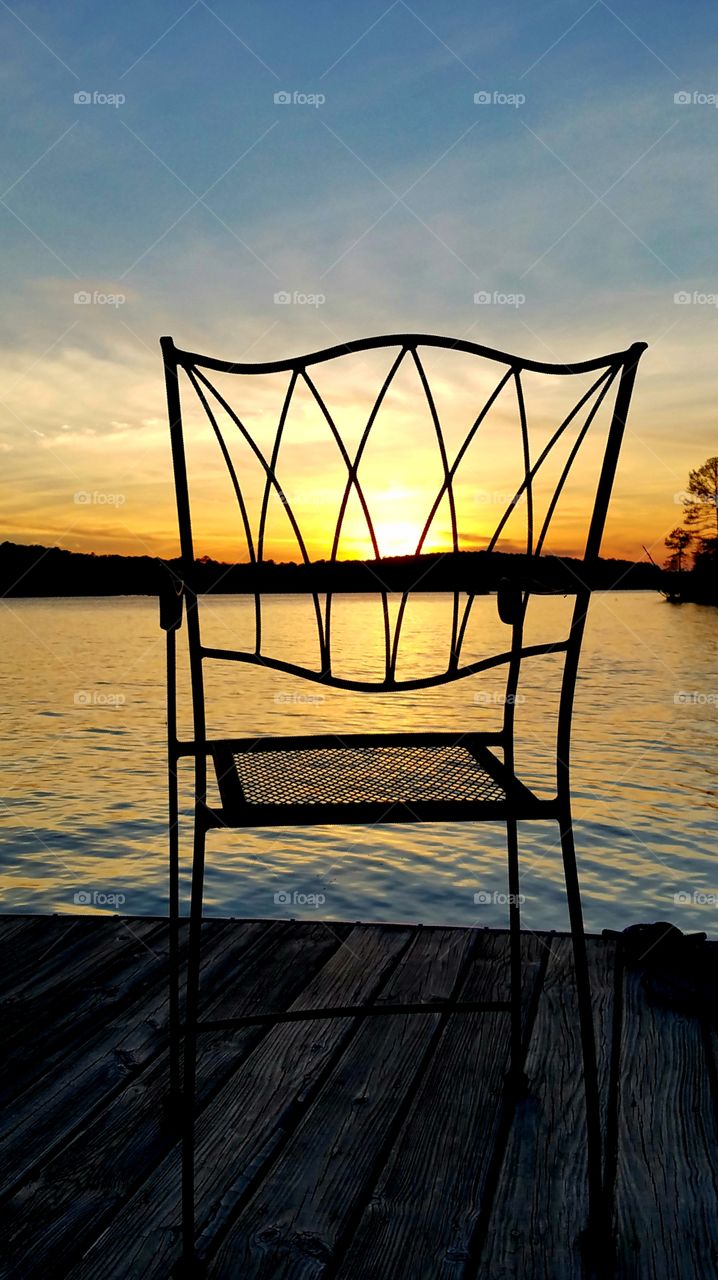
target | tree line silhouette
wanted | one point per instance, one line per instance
(52, 571)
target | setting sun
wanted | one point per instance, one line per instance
(397, 537)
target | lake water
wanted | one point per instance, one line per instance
(83, 793)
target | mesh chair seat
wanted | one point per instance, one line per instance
(396, 778)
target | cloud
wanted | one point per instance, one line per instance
(82, 401)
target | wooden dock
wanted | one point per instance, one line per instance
(351, 1149)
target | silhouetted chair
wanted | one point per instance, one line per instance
(395, 777)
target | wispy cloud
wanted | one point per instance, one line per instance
(391, 204)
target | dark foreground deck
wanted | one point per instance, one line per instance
(363, 1148)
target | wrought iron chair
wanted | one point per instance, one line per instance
(434, 777)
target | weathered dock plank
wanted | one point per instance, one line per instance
(666, 1197)
(76, 1194)
(65, 1092)
(423, 1210)
(292, 1226)
(249, 1118)
(81, 983)
(340, 1149)
(541, 1201)
(25, 939)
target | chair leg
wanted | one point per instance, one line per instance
(174, 1098)
(597, 1224)
(189, 1260)
(517, 1080)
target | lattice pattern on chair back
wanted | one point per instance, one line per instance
(610, 382)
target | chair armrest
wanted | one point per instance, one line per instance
(171, 594)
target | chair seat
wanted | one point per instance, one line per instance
(362, 779)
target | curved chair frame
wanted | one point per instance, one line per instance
(506, 799)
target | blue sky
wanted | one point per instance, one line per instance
(396, 199)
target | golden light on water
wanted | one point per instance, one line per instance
(84, 686)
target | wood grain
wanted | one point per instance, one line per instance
(541, 1202)
(84, 1186)
(249, 1117)
(343, 1148)
(666, 1212)
(295, 1221)
(423, 1210)
(65, 1094)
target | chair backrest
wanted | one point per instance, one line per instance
(606, 387)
